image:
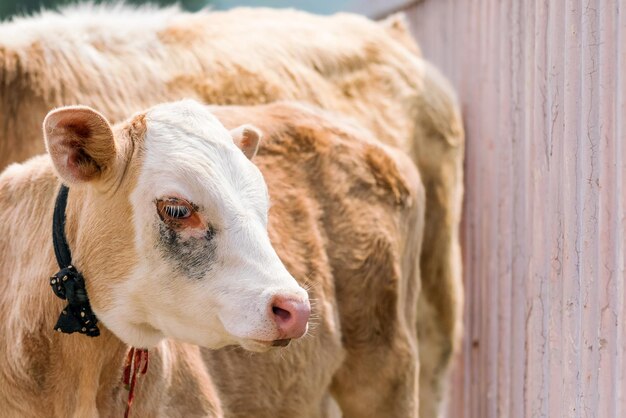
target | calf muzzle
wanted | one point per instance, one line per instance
(291, 317)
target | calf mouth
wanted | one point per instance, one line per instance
(274, 343)
(281, 343)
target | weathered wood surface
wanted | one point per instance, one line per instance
(543, 91)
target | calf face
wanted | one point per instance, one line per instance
(205, 271)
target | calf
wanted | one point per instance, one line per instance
(166, 219)
(346, 219)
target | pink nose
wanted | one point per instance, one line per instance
(291, 316)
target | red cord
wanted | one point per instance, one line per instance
(134, 360)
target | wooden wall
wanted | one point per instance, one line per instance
(543, 91)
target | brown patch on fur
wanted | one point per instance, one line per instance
(387, 175)
(177, 34)
(236, 84)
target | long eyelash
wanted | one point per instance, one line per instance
(177, 211)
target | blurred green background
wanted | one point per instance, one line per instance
(9, 8)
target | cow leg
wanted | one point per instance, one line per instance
(379, 381)
(378, 295)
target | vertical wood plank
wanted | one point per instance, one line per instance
(620, 249)
(557, 142)
(505, 215)
(608, 214)
(570, 325)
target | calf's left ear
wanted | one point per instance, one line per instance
(247, 138)
(80, 142)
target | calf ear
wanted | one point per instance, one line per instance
(247, 138)
(80, 142)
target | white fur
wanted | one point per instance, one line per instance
(189, 154)
(87, 21)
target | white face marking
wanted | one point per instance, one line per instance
(212, 284)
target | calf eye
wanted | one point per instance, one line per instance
(177, 211)
(180, 214)
(174, 209)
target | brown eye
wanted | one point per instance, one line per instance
(177, 211)
(174, 209)
(180, 214)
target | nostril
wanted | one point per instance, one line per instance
(281, 313)
(291, 316)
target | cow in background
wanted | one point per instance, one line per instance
(121, 60)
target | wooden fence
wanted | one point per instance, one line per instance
(543, 90)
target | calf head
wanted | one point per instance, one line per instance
(203, 269)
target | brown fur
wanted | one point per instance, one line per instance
(369, 72)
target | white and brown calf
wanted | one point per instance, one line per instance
(346, 220)
(167, 221)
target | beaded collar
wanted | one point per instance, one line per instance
(68, 284)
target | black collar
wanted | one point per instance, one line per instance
(68, 283)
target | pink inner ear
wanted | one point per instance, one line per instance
(80, 142)
(249, 141)
(245, 140)
(81, 130)
(78, 163)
